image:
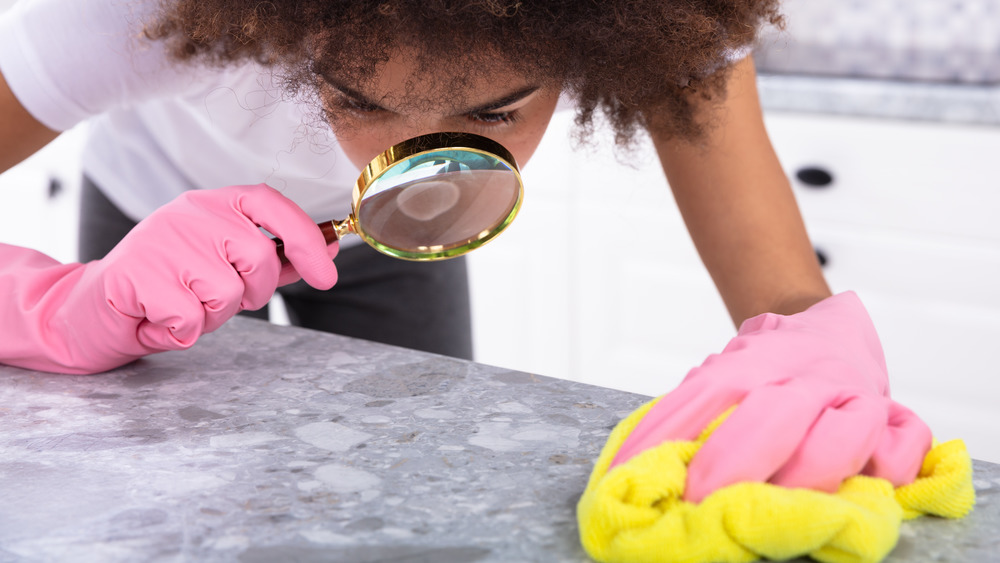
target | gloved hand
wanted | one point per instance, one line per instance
(182, 272)
(812, 391)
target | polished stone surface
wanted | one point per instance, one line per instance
(267, 443)
(962, 104)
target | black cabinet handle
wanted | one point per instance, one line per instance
(821, 257)
(814, 176)
(55, 187)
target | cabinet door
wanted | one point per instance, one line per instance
(924, 178)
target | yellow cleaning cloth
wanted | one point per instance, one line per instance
(635, 512)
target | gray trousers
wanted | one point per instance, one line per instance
(418, 305)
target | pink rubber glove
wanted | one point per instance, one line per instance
(180, 273)
(814, 406)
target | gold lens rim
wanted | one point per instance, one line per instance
(424, 144)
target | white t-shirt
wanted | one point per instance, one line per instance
(159, 127)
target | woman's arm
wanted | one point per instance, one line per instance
(180, 273)
(739, 207)
(809, 383)
(21, 135)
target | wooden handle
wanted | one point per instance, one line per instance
(329, 234)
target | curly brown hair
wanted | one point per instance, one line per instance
(640, 62)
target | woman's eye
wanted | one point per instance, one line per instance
(492, 118)
(360, 107)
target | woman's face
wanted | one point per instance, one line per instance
(398, 104)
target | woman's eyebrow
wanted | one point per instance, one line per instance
(503, 102)
(494, 105)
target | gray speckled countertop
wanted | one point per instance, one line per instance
(965, 104)
(267, 443)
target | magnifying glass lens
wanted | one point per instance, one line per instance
(442, 202)
(432, 197)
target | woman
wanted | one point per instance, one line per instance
(191, 94)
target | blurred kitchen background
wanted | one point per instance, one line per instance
(886, 115)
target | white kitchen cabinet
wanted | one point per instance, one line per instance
(597, 280)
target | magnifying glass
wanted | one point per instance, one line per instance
(432, 197)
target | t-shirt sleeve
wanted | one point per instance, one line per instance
(68, 60)
(738, 54)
